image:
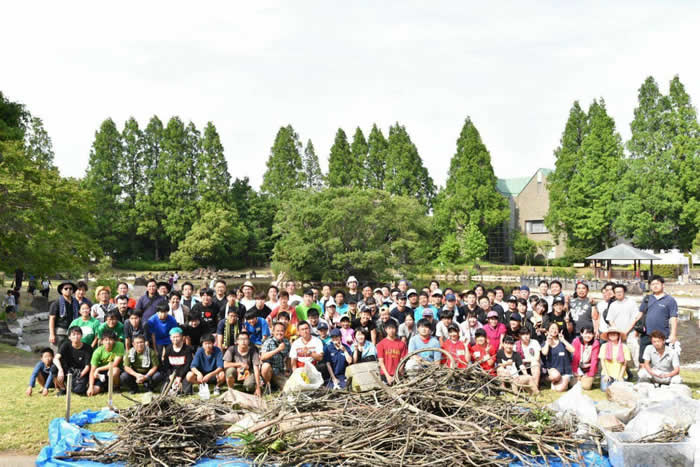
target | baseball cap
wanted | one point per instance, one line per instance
(335, 332)
(411, 292)
(428, 312)
(450, 297)
(351, 301)
(437, 292)
(512, 298)
(558, 300)
(351, 279)
(515, 317)
(492, 314)
(322, 325)
(524, 287)
(378, 289)
(330, 303)
(401, 296)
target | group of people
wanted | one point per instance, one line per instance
(243, 339)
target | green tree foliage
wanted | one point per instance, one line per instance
(13, 119)
(47, 221)
(359, 149)
(375, 164)
(213, 177)
(102, 180)
(524, 249)
(312, 176)
(342, 170)
(284, 166)
(405, 174)
(257, 213)
(659, 196)
(470, 194)
(582, 205)
(567, 157)
(217, 239)
(473, 243)
(148, 201)
(449, 249)
(316, 240)
(38, 143)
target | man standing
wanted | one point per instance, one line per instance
(353, 292)
(620, 314)
(401, 310)
(219, 298)
(242, 365)
(291, 288)
(307, 303)
(390, 351)
(248, 300)
(188, 299)
(73, 358)
(61, 313)
(661, 313)
(207, 311)
(147, 303)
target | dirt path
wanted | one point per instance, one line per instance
(12, 458)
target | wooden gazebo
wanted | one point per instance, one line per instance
(623, 252)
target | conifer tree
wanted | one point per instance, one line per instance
(375, 164)
(313, 178)
(359, 151)
(341, 164)
(284, 166)
(213, 177)
(405, 173)
(38, 143)
(470, 193)
(150, 200)
(102, 180)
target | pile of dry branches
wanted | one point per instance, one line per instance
(165, 432)
(441, 416)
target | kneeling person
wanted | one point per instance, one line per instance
(141, 366)
(73, 358)
(661, 363)
(111, 351)
(45, 371)
(276, 366)
(242, 365)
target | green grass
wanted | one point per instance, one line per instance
(11, 350)
(146, 265)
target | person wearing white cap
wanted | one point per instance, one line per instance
(248, 300)
(352, 290)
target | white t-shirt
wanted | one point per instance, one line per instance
(601, 306)
(441, 330)
(272, 305)
(302, 350)
(622, 313)
(248, 303)
(532, 352)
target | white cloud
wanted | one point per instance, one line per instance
(515, 68)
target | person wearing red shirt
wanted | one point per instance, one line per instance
(456, 348)
(484, 354)
(494, 331)
(390, 351)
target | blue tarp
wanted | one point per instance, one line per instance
(64, 437)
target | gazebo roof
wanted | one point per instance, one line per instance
(623, 251)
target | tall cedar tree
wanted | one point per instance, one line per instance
(213, 178)
(405, 174)
(313, 178)
(375, 164)
(13, 119)
(132, 180)
(284, 166)
(470, 193)
(341, 163)
(359, 151)
(38, 143)
(567, 158)
(102, 180)
(658, 199)
(257, 212)
(591, 207)
(149, 199)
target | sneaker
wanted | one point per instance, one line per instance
(217, 392)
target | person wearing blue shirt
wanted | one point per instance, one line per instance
(44, 371)
(257, 327)
(418, 312)
(363, 350)
(423, 340)
(159, 326)
(207, 365)
(337, 357)
(661, 312)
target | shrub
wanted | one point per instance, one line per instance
(146, 265)
(564, 273)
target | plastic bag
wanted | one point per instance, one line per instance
(204, 393)
(675, 414)
(307, 378)
(574, 401)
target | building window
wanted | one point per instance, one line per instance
(535, 227)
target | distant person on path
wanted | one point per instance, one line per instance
(45, 287)
(61, 313)
(10, 301)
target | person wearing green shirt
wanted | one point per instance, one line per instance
(88, 325)
(113, 324)
(111, 351)
(308, 302)
(140, 367)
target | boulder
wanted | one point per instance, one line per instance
(623, 394)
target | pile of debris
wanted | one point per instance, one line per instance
(441, 416)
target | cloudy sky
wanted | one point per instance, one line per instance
(514, 67)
